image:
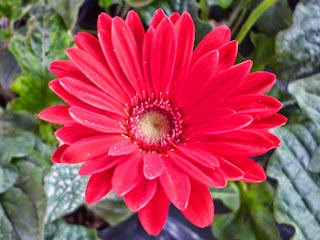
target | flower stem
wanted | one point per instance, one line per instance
(256, 13)
(204, 12)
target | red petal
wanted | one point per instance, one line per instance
(153, 165)
(56, 157)
(72, 134)
(253, 172)
(256, 83)
(98, 186)
(192, 171)
(91, 95)
(104, 22)
(242, 142)
(218, 178)
(146, 60)
(157, 18)
(162, 55)
(57, 114)
(113, 63)
(275, 120)
(100, 164)
(63, 68)
(89, 148)
(141, 195)
(174, 17)
(200, 210)
(127, 174)
(185, 35)
(95, 121)
(227, 55)
(204, 114)
(153, 216)
(198, 156)
(213, 40)
(90, 44)
(224, 84)
(67, 97)
(199, 75)
(97, 73)
(123, 148)
(255, 105)
(222, 125)
(126, 50)
(137, 28)
(230, 171)
(176, 185)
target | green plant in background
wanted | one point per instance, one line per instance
(34, 33)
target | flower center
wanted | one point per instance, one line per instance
(155, 126)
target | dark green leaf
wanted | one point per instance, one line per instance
(138, 3)
(264, 51)
(221, 3)
(23, 206)
(253, 220)
(111, 208)
(9, 68)
(17, 144)
(47, 130)
(65, 189)
(229, 195)
(67, 9)
(8, 177)
(34, 95)
(298, 47)
(45, 42)
(297, 197)
(276, 18)
(12, 121)
(60, 230)
(307, 93)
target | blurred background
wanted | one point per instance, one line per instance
(41, 200)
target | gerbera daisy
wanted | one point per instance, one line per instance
(157, 122)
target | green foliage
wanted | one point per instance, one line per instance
(276, 18)
(230, 195)
(67, 9)
(297, 197)
(249, 221)
(45, 42)
(60, 230)
(263, 54)
(111, 208)
(298, 47)
(23, 205)
(307, 93)
(221, 3)
(138, 3)
(65, 189)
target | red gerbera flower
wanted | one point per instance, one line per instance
(156, 121)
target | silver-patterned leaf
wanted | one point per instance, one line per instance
(297, 197)
(307, 93)
(22, 207)
(65, 190)
(298, 47)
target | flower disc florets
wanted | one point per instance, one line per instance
(155, 125)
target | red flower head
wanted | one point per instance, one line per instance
(156, 121)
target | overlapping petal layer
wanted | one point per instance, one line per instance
(157, 122)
